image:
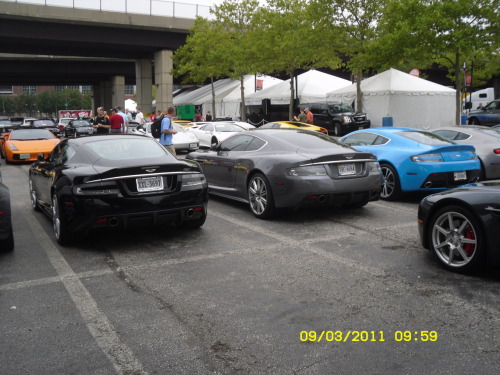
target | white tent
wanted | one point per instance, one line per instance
(312, 86)
(228, 102)
(410, 101)
(227, 94)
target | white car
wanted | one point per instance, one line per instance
(214, 132)
(244, 125)
(183, 140)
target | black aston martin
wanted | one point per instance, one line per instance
(119, 181)
(289, 168)
(461, 226)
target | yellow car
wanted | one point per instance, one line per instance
(183, 123)
(293, 124)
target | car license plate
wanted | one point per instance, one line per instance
(193, 145)
(347, 169)
(149, 184)
(24, 156)
(460, 175)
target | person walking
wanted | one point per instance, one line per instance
(168, 130)
(101, 122)
(310, 117)
(139, 117)
(125, 118)
(208, 117)
(115, 122)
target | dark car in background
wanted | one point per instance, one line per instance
(78, 128)
(488, 115)
(337, 118)
(45, 124)
(124, 181)
(289, 168)
(6, 125)
(461, 226)
(6, 232)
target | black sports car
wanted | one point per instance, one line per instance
(78, 128)
(289, 168)
(6, 233)
(461, 226)
(45, 124)
(120, 181)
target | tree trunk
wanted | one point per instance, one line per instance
(213, 98)
(458, 85)
(359, 94)
(292, 97)
(243, 112)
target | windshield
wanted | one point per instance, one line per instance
(125, 149)
(80, 123)
(228, 128)
(425, 138)
(340, 108)
(65, 121)
(42, 123)
(30, 134)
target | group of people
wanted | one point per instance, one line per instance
(118, 123)
(305, 115)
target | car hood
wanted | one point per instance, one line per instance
(36, 145)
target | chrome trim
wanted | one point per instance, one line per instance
(339, 162)
(140, 176)
(489, 208)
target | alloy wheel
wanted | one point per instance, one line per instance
(454, 239)
(257, 194)
(389, 182)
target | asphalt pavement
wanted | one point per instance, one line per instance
(317, 291)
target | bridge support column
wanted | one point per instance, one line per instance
(163, 79)
(118, 91)
(144, 84)
(102, 96)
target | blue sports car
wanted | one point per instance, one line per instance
(416, 160)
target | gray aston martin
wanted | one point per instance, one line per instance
(289, 168)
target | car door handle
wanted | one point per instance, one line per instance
(492, 209)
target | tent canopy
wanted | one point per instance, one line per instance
(312, 86)
(409, 100)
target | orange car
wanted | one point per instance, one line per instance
(25, 144)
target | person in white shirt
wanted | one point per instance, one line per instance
(139, 117)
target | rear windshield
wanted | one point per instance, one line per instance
(228, 128)
(425, 138)
(125, 149)
(80, 123)
(30, 134)
(310, 139)
(41, 123)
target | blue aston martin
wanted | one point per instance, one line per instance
(416, 160)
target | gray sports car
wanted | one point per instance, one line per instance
(289, 168)
(485, 140)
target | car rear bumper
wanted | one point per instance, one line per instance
(325, 191)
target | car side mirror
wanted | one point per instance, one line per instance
(40, 157)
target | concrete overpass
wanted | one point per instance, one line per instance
(43, 44)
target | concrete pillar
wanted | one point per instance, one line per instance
(118, 91)
(144, 83)
(163, 79)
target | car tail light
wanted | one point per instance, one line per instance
(496, 151)
(323, 130)
(96, 188)
(432, 158)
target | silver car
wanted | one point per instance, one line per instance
(183, 140)
(485, 140)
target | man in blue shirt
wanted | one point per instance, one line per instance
(168, 130)
(125, 119)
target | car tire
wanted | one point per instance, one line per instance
(474, 121)
(260, 197)
(337, 129)
(59, 223)
(457, 239)
(8, 243)
(391, 188)
(213, 141)
(33, 197)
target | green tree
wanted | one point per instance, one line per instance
(198, 60)
(444, 32)
(293, 36)
(353, 30)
